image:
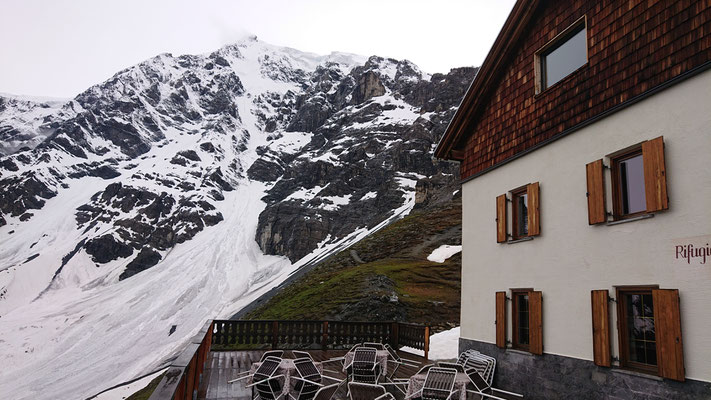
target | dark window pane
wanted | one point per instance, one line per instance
(632, 185)
(640, 328)
(522, 207)
(566, 58)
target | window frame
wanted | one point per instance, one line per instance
(615, 160)
(555, 43)
(515, 194)
(515, 319)
(622, 328)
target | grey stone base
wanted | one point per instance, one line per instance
(556, 377)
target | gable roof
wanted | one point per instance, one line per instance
(635, 49)
(515, 24)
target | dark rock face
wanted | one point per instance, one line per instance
(357, 156)
(2, 220)
(106, 248)
(20, 194)
(145, 259)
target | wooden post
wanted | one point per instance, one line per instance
(324, 336)
(395, 335)
(275, 334)
(427, 341)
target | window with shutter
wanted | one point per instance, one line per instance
(597, 212)
(649, 326)
(501, 320)
(639, 184)
(525, 213)
(601, 327)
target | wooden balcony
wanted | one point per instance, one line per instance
(223, 366)
(224, 348)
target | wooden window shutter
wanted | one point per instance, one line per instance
(601, 327)
(655, 179)
(667, 322)
(501, 218)
(534, 213)
(597, 213)
(501, 320)
(535, 322)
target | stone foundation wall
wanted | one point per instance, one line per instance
(556, 377)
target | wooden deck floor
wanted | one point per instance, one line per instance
(223, 366)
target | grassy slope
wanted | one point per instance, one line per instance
(394, 266)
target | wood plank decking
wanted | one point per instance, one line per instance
(223, 366)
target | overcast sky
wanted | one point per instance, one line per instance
(59, 48)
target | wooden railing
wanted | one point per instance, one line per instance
(184, 374)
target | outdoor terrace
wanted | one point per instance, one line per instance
(225, 348)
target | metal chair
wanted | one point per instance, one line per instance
(376, 346)
(341, 359)
(365, 391)
(309, 380)
(484, 364)
(272, 353)
(364, 368)
(483, 390)
(266, 381)
(326, 392)
(398, 361)
(301, 354)
(439, 385)
(454, 366)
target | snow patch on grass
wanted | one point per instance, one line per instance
(443, 252)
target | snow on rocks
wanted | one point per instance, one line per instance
(443, 252)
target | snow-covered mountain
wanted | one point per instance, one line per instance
(185, 187)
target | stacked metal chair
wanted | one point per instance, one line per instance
(301, 354)
(439, 385)
(482, 389)
(266, 382)
(365, 367)
(484, 364)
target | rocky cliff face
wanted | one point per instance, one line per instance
(182, 176)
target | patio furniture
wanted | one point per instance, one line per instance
(364, 368)
(309, 380)
(438, 385)
(455, 366)
(326, 392)
(395, 358)
(271, 353)
(301, 354)
(483, 390)
(266, 381)
(484, 364)
(365, 391)
(342, 360)
(376, 346)
(381, 357)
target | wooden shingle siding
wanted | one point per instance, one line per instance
(655, 178)
(632, 47)
(667, 321)
(599, 300)
(501, 234)
(535, 322)
(597, 212)
(534, 210)
(501, 320)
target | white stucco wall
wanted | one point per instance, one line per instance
(571, 258)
